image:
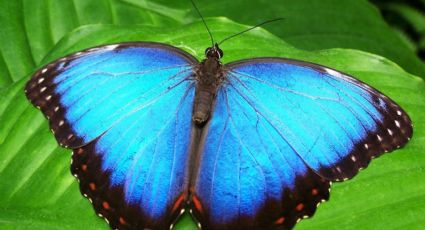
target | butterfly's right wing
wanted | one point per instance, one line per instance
(248, 177)
(281, 131)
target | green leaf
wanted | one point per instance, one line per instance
(408, 22)
(31, 28)
(315, 25)
(37, 190)
(414, 17)
(422, 43)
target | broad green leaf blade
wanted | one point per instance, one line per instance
(406, 39)
(16, 59)
(315, 25)
(38, 192)
(31, 28)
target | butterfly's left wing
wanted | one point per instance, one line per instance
(125, 109)
(281, 130)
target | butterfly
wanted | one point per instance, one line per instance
(252, 144)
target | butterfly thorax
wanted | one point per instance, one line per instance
(209, 76)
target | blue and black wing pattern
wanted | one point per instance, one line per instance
(135, 174)
(248, 177)
(282, 130)
(125, 109)
(335, 123)
(84, 94)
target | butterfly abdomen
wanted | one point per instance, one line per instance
(202, 106)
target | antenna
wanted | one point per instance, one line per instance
(244, 31)
(199, 12)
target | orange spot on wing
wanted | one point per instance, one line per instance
(299, 207)
(197, 203)
(178, 202)
(80, 151)
(92, 186)
(84, 167)
(314, 192)
(122, 221)
(280, 220)
(105, 205)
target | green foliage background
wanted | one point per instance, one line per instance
(36, 188)
(407, 18)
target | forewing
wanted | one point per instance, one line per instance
(334, 122)
(86, 93)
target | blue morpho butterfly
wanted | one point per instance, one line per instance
(253, 144)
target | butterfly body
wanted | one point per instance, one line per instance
(209, 77)
(155, 133)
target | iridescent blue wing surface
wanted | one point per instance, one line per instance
(69, 90)
(281, 131)
(125, 109)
